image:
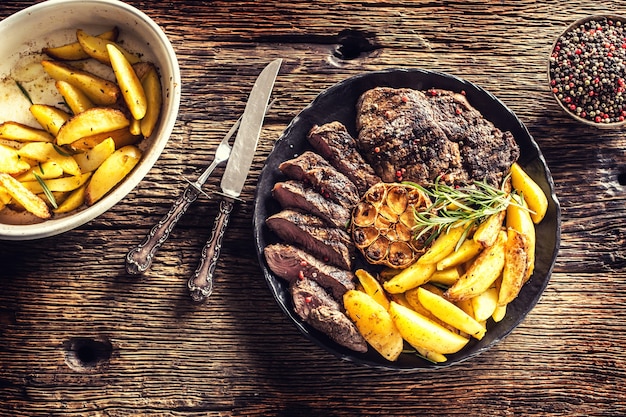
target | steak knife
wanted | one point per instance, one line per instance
(201, 282)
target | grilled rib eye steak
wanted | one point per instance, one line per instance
(333, 142)
(294, 195)
(411, 135)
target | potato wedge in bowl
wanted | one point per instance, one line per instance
(22, 73)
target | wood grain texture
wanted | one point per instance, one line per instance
(65, 299)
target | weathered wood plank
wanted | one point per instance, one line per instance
(237, 355)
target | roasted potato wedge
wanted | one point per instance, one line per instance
(151, 83)
(73, 201)
(100, 91)
(74, 97)
(74, 51)
(532, 193)
(121, 137)
(24, 197)
(468, 250)
(446, 276)
(374, 323)
(518, 218)
(91, 122)
(413, 276)
(49, 117)
(130, 85)
(449, 313)
(45, 170)
(111, 172)
(96, 48)
(62, 184)
(419, 331)
(90, 160)
(515, 266)
(484, 304)
(11, 162)
(372, 287)
(45, 151)
(443, 246)
(23, 133)
(487, 232)
(482, 273)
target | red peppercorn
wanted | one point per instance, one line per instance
(308, 299)
(301, 275)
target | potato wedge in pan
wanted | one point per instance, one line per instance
(534, 196)
(374, 323)
(419, 331)
(482, 273)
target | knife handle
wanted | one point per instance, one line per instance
(140, 258)
(201, 282)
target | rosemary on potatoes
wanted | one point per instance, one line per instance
(459, 206)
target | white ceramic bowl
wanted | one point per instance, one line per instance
(54, 23)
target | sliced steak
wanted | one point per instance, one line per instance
(315, 170)
(330, 244)
(293, 194)
(291, 263)
(419, 136)
(316, 307)
(333, 142)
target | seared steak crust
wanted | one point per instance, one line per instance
(418, 136)
(315, 170)
(333, 142)
(294, 195)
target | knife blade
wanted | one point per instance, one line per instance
(201, 282)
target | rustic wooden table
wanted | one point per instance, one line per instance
(79, 336)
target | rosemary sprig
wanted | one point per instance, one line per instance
(46, 190)
(23, 90)
(459, 206)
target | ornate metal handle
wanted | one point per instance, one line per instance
(139, 258)
(201, 282)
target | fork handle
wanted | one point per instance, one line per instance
(139, 259)
(201, 282)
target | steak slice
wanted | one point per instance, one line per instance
(315, 170)
(418, 136)
(310, 232)
(291, 263)
(316, 307)
(333, 142)
(294, 195)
